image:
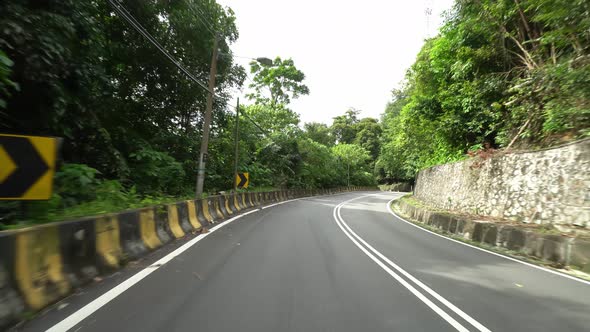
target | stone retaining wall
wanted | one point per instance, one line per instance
(550, 186)
(554, 248)
(400, 186)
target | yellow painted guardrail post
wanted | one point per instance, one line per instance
(39, 268)
(173, 222)
(147, 227)
(108, 241)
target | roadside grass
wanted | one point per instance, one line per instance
(107, 197)
(41, 212)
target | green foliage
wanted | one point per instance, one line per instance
(351, 154)
(355, 160)
(499, 73)
(156, 172)
(368, 135)
(282, 79)
(87, 76)
(344, 126)
(6, 85)
(319, 168)
(319, 132)
(274, 118)
(75, 183)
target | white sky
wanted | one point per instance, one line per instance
(352, 52)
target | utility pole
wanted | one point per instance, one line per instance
(348, 175)
(207, 122)
(237, 144)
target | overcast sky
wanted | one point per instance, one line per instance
(352, 52)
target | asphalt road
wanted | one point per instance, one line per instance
(331, 263)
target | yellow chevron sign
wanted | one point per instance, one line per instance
(27, 166)
(242, 180)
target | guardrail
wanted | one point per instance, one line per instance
(42, 264)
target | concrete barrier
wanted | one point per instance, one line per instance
(251, 199)
(43, 264)
(192, 215)
(243, 201)
(200, 213)
(215, 209)
(229, 206)
(134, 231)
(234, 201)
(204, 204)
(562, 250)
(174, 221)
(183, 217)
(219, 206)
(38, 268)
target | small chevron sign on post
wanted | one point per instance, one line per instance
(242, 180)
(27, 166)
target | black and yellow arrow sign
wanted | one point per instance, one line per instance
(242, 180)
(27, 165)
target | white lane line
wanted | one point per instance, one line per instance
(75, 318)
(404, 283)
(427, 289)
(485, 250)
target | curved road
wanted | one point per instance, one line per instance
(331, 263)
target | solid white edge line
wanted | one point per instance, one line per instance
(434, 294)
(82, 313)
(404, 283)
(485, 250)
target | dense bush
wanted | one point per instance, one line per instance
(500, 73)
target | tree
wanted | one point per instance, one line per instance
(343, 127)
(368, 136)
(352, 157)
(6, 84)
(501, 74)
(319, 132)
(87, 76)
(318, 167)
(282, 79)
(271, 119)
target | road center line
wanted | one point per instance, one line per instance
(354, 237)
(420, 284)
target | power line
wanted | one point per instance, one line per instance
(250, 119)
(202, 12)
(124, 13)
(202, 18)
(127, 16)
